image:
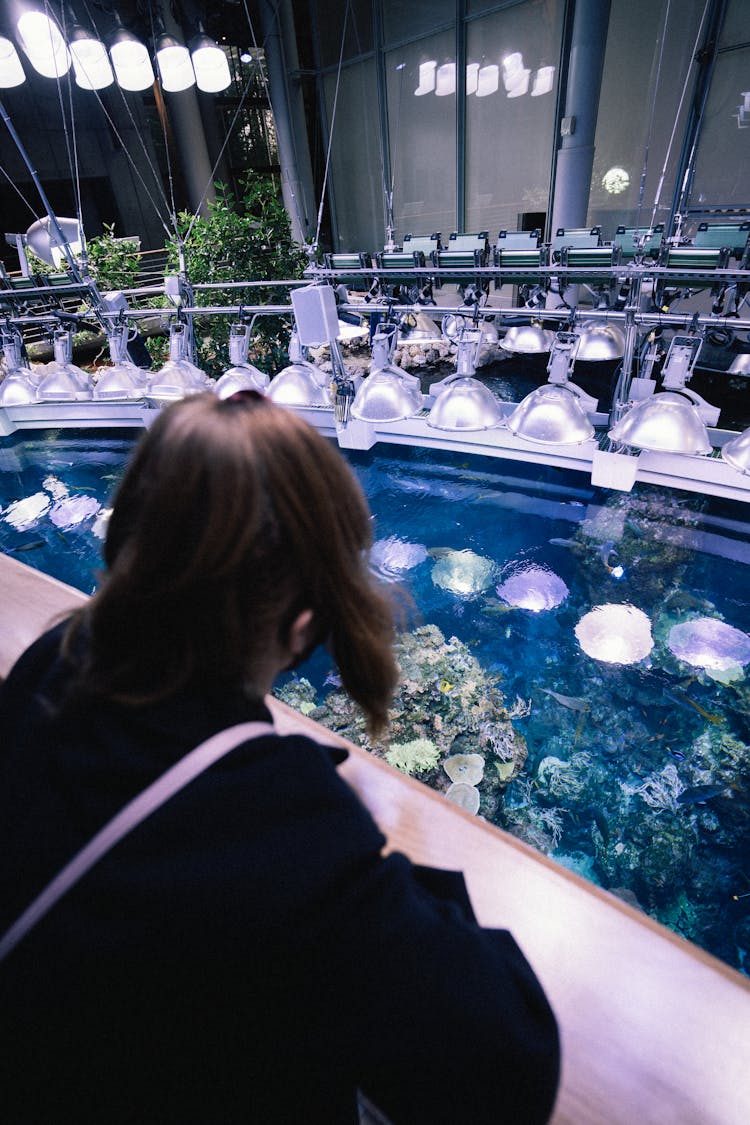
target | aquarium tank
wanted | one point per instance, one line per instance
(573, 661)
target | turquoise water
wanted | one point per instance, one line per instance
(636, 775)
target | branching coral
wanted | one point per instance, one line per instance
(413, 757)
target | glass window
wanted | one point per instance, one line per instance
(512, 76)
(421, 84)
(723, 157)
(355, 177)
(405, 19)
(646, 68)
(736, 26)
(358, 39)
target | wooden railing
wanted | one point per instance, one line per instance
(654, 1031)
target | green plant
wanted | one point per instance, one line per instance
(243, 238)
(114, 263)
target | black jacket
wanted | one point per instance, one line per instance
(246, 955)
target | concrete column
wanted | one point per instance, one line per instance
(282, 64)
(575, 157)
(189, 137)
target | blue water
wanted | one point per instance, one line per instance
(606, 764)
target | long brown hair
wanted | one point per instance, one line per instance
(231, 518)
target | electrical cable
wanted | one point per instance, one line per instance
(677, 114)
(18, 191)
(333, 121)
(649, 135)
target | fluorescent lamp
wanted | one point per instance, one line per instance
(90, 60)
(43, 44)
(210, 64)
(175, 67)
(131, 61)
(11, 70)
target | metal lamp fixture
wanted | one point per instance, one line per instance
(667, 422)
(241, 375)
(301, 383)
(11, 69)
(209, 63)
(130, 59)
(91, 63)
(52, 47)
(388, 394)
(737, 452)
(174, 63)
(551, 415)
(557, 413)
(43, 43)
(43, 237)
(462, 402)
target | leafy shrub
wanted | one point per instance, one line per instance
(245, 238)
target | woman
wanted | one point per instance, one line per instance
(246, 954)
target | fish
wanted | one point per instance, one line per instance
(572, 702)
(606, 551)
(492, 605)
(635, 528)
(699, 794)
(446, 687)
(683, 600)
(570, 544)
(677, 754)
(34, 545)
(602, 824)
(687, 701)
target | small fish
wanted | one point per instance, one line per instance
(606, 551)
(683, 600)
(687, 701)
(570, 544)
(333, 679)
(33, 546)
(493, 606)
(572, 702)
(446, 687)
(602, 824)
(699, 794)
(676, 754)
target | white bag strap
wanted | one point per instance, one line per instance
(147, 802)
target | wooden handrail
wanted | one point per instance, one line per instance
(654, 1030)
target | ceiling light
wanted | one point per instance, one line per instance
(131, 61)
(11, 70)
(44, 45)
(90, 60)
(210, 64)
(175, 67)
